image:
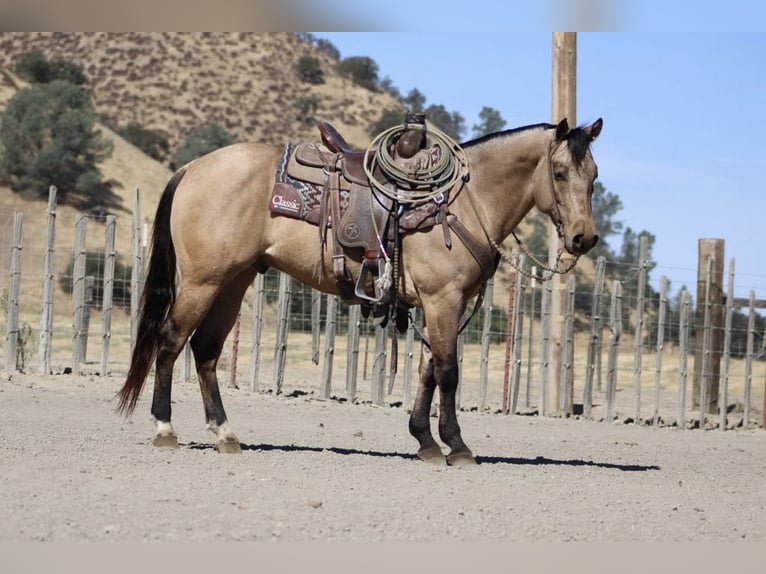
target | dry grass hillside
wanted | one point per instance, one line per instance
(177, 81)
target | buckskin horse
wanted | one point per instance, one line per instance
(214, 231)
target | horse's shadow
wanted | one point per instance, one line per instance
(517, 461)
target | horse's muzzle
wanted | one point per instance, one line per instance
(581, 243)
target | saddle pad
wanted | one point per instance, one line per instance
(295, 198)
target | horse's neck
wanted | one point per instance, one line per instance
(502, 180)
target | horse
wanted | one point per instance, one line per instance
(213, 232)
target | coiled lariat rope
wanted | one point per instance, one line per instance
(422, 184)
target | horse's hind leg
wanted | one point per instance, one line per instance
(186, 312)
(207, 343)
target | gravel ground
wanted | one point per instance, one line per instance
(314, 469)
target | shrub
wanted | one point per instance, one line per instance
(153, 143)
(35, 68)
(309, 70)
(362, 70)
(47, 136)
(202, 140)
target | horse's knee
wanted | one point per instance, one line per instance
(446, 375)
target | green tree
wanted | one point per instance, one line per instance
(35, 68)
(362, 70)
(47, 137)
(387, 85)
(389, 118)
(307, 109)
(309, 70)
(605, 206)
(327, 47)
(415, 100)
(201, 140)
(491, 122)
(451, 123)
(153, 143)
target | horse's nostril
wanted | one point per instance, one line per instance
(583, 242)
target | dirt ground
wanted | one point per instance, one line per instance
(312, 469)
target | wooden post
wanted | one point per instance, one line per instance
(107, 292)
(509, 330)
(235, 351)
(186, 362)
(749, 360)
(724, 396)
(485, 335)
(352, 352)
(46, 318)
(12, 337)
(316, 312)
(137, 271)
(379, 366)
(563, 105)
(706, 337)
(90, 283)
(615, 323)
(545, 354)
(566, 406)
(660, 344)
(594, 341)
(78, 293)
(638, 341)
(530, 337)
(329, 345)
(518, 326)
(283, 327)
(409, 344)
(257, 327)
(683, 344)
(713, 249)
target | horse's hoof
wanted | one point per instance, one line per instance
(229, 447)
(461, 458)
(432, 455)
(165, 440)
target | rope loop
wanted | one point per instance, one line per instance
(420, 184)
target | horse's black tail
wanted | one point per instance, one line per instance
(157, 297)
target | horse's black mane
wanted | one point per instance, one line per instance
(577, 138)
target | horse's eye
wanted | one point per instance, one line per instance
(559, 175)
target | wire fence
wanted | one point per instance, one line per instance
(622, 349)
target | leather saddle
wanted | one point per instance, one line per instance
(326, 184)
(358, 216)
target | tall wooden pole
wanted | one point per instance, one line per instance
(710, 356)
(563, 105)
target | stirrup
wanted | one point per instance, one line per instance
(367, 270)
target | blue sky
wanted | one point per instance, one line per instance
(682, 143)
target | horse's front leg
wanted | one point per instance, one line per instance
(420, 424)
(446, 373)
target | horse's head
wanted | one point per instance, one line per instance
(564, 185)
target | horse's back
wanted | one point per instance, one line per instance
(220, 209)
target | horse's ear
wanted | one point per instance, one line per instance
(594, 129)
(562, 130)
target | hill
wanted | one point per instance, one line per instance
(178, 81)
(175, 82)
